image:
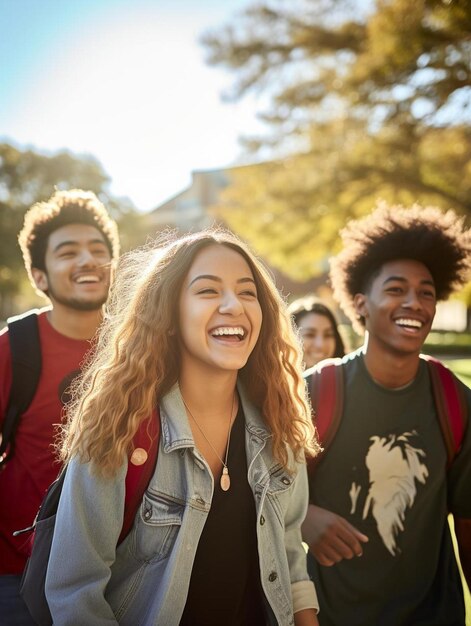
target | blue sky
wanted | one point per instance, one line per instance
(125, 81)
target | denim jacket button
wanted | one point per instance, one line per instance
(272, 577)
(147, 514)
(262, 520)
(285, 480)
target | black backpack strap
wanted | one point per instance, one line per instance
(23, 335)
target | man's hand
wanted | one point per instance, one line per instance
(330, 537)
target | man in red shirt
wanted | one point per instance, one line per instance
(69, 244)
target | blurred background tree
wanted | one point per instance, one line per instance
(26, 177)
(367, 100)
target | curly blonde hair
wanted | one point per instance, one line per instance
(137, 358)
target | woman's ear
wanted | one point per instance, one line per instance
(360, 303)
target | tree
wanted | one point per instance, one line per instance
(368, 100)
(26, 177)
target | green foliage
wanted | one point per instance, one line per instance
(368, 101)
(27, 176)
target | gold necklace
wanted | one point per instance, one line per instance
(225, 480)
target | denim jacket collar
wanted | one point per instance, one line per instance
(176, 431)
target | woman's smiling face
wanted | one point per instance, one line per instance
(318, 337)
(219, 312)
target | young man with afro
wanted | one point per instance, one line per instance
(381, 552)
(69, 243)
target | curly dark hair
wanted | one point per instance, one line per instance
(437, 239)
(74, 206)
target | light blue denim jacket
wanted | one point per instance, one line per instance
(144, 581)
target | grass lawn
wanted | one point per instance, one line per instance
(467, 595)
(462, 368)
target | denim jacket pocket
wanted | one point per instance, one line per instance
(158, 523)
(279, 491)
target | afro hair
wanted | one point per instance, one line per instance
(435, 238)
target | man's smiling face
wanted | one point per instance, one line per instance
(399, 306)
(77, 268)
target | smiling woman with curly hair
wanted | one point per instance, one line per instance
(195, 327)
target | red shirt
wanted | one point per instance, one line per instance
(33, 467)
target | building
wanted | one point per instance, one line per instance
(189, 211)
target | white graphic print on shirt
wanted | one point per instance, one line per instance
(394, 466)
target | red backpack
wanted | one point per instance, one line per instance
(327, 396)
(32, 589)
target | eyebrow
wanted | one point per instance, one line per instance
(76, 243)
(219, 280)
(401, 279)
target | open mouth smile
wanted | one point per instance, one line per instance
(87, 279)
(409, 324)
(229, 333)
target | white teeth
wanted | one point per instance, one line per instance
(87, 279)
(228, 330)
(409, 322)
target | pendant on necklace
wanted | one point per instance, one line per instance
(225, 479)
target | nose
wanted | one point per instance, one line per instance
(230, 305)
(412, 301)
(86, 258)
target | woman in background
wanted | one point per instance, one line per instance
(318, 329)
(196, 327)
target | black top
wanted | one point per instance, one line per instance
(225, 581)
(385, 473)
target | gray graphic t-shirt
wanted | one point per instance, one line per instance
(385, 472)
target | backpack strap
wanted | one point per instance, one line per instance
(327, 386)
(326, 389)
(450, 404)
(146, 440)
(33, 582)
(25, 348)
(146, 446)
